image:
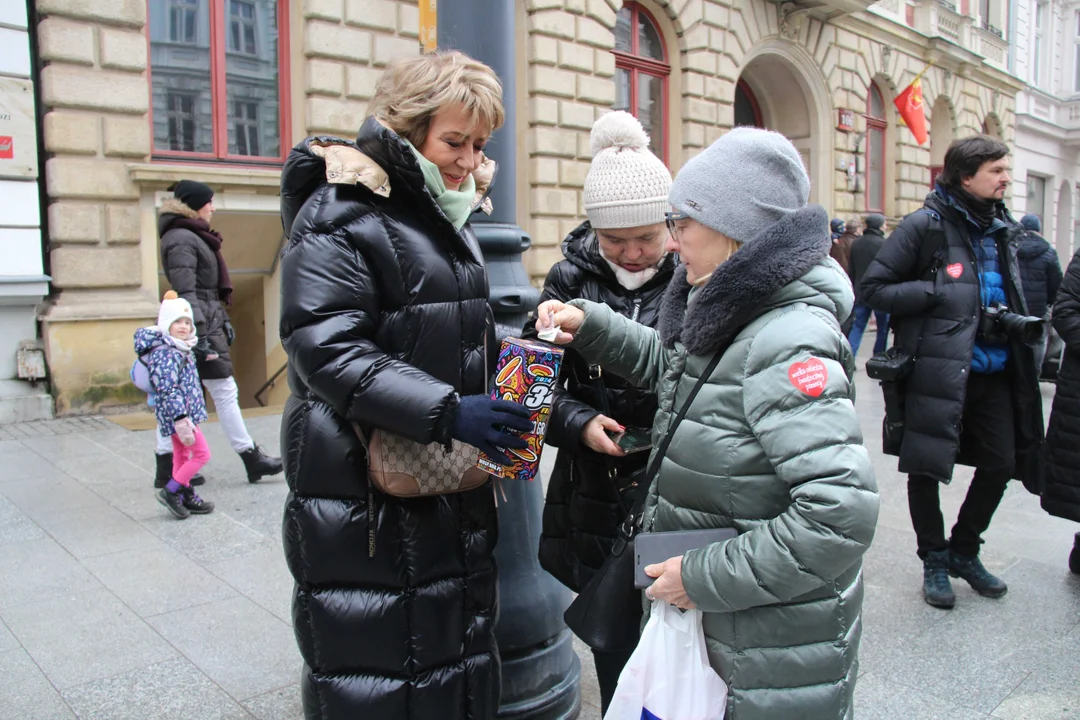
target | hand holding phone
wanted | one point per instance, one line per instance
(633, 439)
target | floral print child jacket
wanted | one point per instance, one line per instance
(174, 377)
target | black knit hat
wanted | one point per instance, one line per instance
(193, 193)
(875, 221)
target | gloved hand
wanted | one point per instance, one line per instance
(185, 430)
(202, 349)
(230, 334)
(484, 424)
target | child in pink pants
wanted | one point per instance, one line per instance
(178, 399)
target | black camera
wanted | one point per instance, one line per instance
(998, 325)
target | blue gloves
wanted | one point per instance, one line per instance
(484, 423)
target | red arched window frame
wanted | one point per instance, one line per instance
(638, 65)
(876, 125)
(755, 107)
(220, 27)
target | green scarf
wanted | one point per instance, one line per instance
(456, 204)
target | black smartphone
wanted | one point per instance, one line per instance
(633, 439)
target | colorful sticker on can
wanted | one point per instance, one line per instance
(526, 373)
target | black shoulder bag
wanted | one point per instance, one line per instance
(603, 613)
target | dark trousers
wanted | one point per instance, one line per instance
(987, 441)
(609, 666)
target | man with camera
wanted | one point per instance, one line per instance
(962, 386)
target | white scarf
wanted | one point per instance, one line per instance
(633, 280)
(182, 345)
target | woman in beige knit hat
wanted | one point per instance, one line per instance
(617, 257)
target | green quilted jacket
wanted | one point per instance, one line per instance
(772, 447)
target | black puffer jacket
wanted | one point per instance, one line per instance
(926, 278)
(583, 508)
(192, 269)
(1040, 273)
(863, 251)
(383, 315)
(1061, 495)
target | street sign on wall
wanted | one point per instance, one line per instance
(18, 132)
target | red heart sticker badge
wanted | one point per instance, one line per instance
(809, 377)
(955, 270)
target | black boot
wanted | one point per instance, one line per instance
(195, 504)
(174, 502)
(937, 590)
(1074, 556)
(164, 472)
(977, 576)
(258, 464)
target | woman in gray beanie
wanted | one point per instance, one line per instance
(771, 444)
(617, 257)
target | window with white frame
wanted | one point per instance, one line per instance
(1076, 53)
(1040, 11)
(182, 21)
(1036, 196)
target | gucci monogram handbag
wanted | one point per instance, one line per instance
(407, 469)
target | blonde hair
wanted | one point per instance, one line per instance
(413, 90)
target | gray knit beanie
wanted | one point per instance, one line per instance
(742, 183)
(626, 186)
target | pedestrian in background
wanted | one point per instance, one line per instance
(771, 446)
(617, 257)
(841, 247)
(384, 314)
(863, 251)
(972, 394)
(1061, 494)
(178, 401)
(1040, 273)
(836, 228)
(195, 268)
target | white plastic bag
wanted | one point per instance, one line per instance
(668, 677)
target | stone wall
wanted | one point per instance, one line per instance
(94, 88)
(347, 43)
(710, 44)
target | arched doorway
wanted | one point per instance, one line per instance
(1063, 231)
(942, 133)
(780, 90)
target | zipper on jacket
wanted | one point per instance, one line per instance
(636, 313)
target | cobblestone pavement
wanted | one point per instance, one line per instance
(110, 608)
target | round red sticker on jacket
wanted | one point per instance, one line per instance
(955, 270)
(809, 377)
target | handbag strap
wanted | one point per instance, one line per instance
(632, 525)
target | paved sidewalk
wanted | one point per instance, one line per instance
(110, 608)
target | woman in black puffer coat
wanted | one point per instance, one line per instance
(1061, 495)
(383, 316)
(617, 258)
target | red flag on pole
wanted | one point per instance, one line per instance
(910, 105)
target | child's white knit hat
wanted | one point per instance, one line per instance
(627, 186)
(173, 307)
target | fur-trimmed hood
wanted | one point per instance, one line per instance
(334, 160)
(787, 263)
(169, 211)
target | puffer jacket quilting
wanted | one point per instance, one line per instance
(1040, 273)
(383, 316)
(926, 278)
(786, 468)
(1061, 494)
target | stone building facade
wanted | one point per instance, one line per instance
(116, 137)
(1046, 162)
